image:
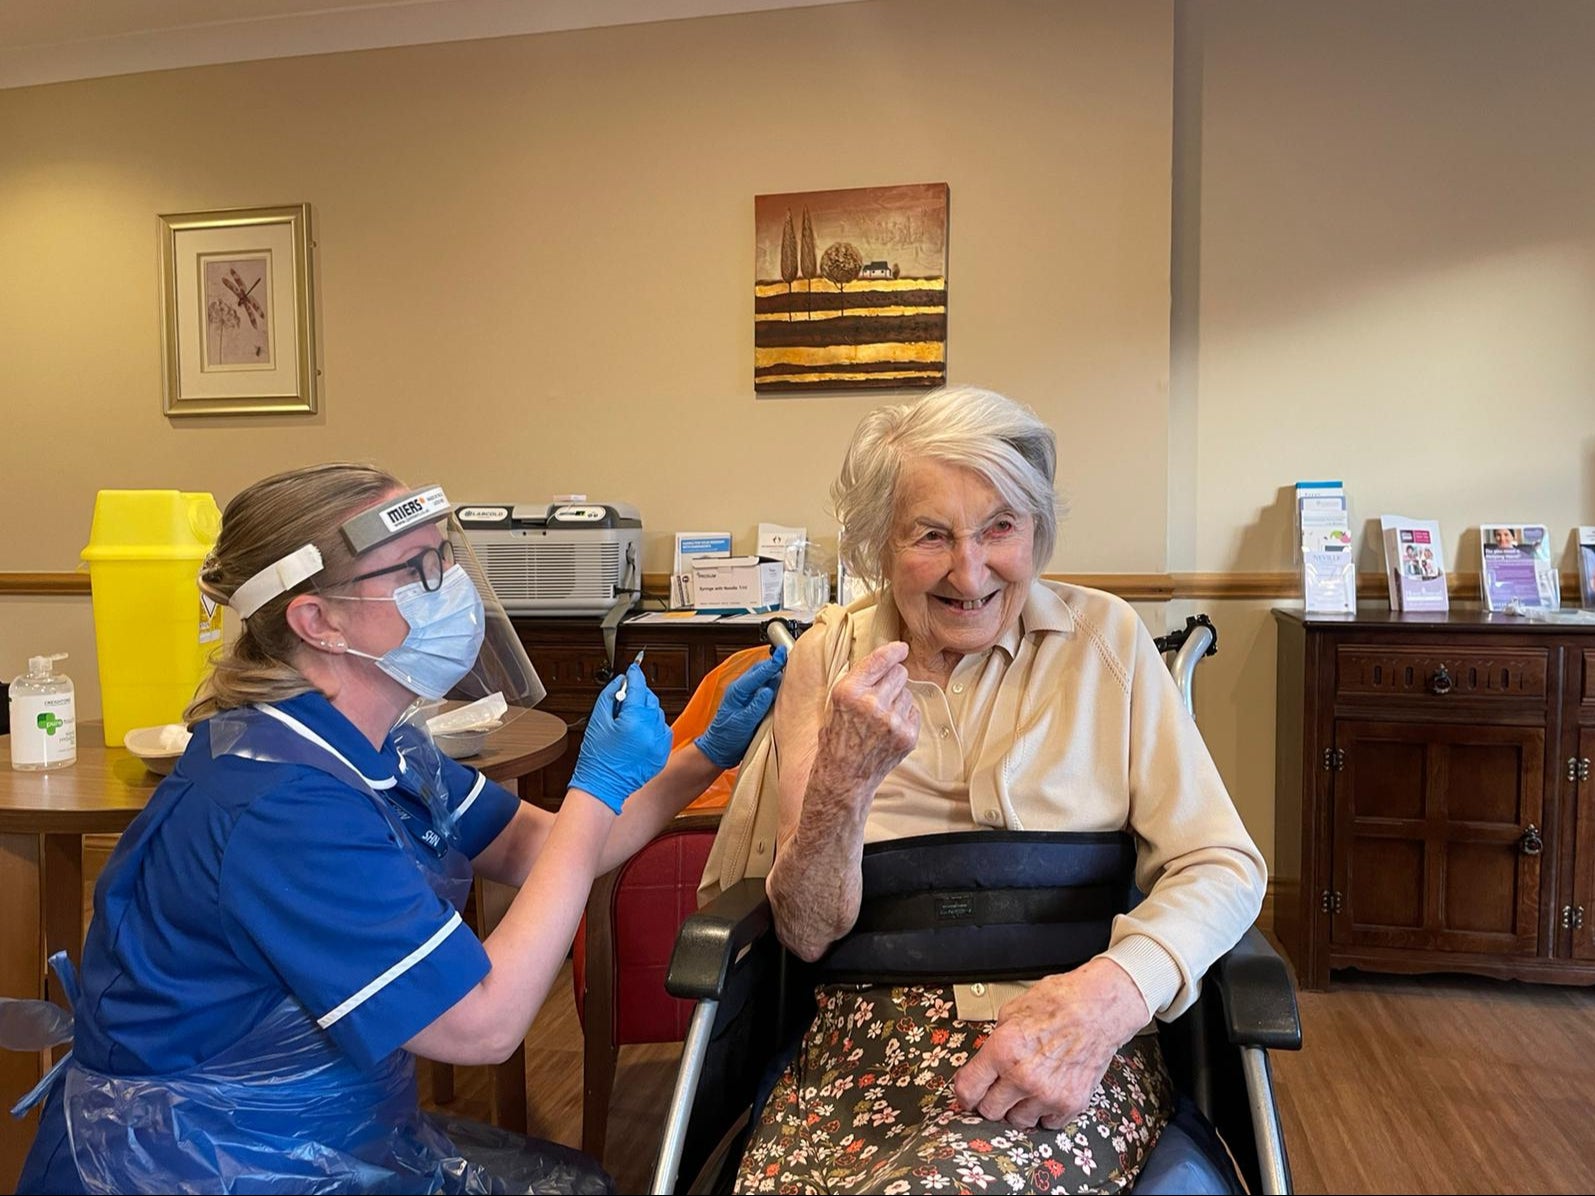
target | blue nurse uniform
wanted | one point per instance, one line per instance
(295, 872)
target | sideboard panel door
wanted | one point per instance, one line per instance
(1433, 848)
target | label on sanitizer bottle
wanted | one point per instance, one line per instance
(44, 730)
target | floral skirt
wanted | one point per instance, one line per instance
(867, 1106)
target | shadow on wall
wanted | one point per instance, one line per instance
(1235, 711)
(1272, 535)
(1371, 556)
(1587, 491)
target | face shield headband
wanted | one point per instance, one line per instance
(501, 665)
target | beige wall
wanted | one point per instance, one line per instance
(535, 256)
(1387, 276)
(536, 260)
(1397, 267)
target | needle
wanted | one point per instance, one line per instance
(620, 694)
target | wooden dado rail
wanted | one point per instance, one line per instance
(44, 583)
(1133, 587)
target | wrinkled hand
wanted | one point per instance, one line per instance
(872, 724)
(1051, 1047)
(743, 707)
(622, 753)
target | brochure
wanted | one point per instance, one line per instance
(1329, 568)
(1517, 567)
(1414, 563)
(1321, 516)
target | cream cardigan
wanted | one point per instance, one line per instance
(1072, 723)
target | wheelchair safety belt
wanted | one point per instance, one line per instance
(990, 907)
(929, 912)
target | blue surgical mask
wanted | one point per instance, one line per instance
(445, 636)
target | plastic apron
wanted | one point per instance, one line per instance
(283, 1109)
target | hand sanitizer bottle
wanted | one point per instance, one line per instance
(44, 725)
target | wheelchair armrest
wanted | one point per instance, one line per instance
(714, 938)
(1259, 995)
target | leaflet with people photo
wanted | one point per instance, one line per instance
(1517, 567)
(1414, 563)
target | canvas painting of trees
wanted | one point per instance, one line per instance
(850, 289)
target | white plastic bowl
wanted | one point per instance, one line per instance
(159, 747)
(459, 745)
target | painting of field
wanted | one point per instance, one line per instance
(850, 289)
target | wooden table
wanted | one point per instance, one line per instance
(43, 818)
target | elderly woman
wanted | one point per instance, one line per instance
(967, 693)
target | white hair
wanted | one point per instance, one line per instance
(980, 430)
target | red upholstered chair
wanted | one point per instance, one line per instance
(622, 953)
(623, 947)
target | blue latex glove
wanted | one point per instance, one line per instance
(622, 753)
(747, 700)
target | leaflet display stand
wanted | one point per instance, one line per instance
(1328, 565)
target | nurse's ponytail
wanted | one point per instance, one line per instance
(261, 525)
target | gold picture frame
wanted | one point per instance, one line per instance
(859, 300)
(237, 312)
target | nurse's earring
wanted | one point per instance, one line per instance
(340, 646)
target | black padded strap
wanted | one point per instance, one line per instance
(989, 907)
(930, 914)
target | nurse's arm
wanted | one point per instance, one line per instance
(528, 947)
(508, 859)
(685, 775)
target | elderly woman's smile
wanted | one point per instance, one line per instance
(962, 562)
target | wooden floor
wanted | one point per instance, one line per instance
(1441, 1084)
(643, 1081)
(1405, 1084)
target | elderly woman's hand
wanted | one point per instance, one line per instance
(1051, 1047)
(871, 725)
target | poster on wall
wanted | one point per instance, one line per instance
(850, 289)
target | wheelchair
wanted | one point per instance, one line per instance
(1061, 892)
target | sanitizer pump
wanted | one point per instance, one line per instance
(44, 725)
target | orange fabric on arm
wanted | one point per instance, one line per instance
(699, 713)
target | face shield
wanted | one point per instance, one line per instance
(442, 592)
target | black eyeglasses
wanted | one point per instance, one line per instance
(428, 565)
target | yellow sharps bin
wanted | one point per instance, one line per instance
(153, 629)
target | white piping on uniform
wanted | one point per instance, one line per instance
(298, 728)
(392, 974)
(476, 790)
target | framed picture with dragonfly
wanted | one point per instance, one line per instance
(238, 325)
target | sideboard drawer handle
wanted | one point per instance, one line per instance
(1440, 683)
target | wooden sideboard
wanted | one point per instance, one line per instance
(1434, 808)
(570, 658)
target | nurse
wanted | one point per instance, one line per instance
(278, 934)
